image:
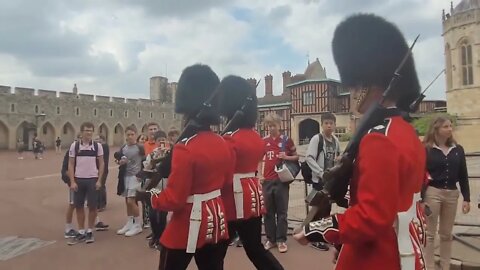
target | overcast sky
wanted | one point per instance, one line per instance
(113, 47)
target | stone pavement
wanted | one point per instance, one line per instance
(33, 200)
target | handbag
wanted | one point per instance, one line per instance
(287, 170)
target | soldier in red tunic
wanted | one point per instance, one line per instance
(199, 171)
(379, 229)
(242, 194)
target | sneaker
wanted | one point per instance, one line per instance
(153, 244)
(234, 241)
(100, 226)
(149, 237)
(77, 239)
(238, 243)
(125, 228)
(268, 245)
(134, 230)
(89, 238)
(282, 247)
(320, 246)
(70, 234)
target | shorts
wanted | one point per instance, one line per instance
(131, 186)
(86, 191)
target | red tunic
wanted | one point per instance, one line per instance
(200, 165)
(272, 147)
(389, 170)
(248, 149)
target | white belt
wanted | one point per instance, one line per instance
(238, 191)
(405, 246)
(196, 217)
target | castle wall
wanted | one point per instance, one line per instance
(459, 29)
(64, 115)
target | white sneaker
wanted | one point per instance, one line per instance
(134, 230)
(125, 228)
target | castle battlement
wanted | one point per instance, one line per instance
(47, 93)
(24, 91)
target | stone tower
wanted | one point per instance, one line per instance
(159, 89)
(461, 33)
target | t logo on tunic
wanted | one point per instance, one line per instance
(270, 155)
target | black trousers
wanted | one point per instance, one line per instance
(208, 257)
(158, 222)
(250, 232)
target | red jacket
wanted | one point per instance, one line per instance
(248, 149)
(389, 169)
(200, 164)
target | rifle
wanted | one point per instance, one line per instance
(337, 179)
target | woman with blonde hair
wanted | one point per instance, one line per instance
(446, 166)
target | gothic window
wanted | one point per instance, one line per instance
(58, 110)
(467, 67)
(139, 114)
(36, 108)
(151, 115)
(308, 97)
(77, 111)
(125, 114)
(12, 107)
(45, 130)
(65, 129)
(94, 112)
(111, 113)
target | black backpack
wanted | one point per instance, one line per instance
(305, 169)
(64, 170)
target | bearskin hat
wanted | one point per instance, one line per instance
(233, 92)
(195, 86)
(367, 50)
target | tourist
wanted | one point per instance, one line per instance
(85, 169)
(446, 166)
(130, 158)
(276, 192)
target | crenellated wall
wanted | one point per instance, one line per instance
(61, 116)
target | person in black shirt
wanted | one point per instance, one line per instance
(446, 165)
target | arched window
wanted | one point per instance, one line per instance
(467, 60)
(36, 108)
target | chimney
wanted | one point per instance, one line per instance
(252, 82)
(287, 75)
(268, 85)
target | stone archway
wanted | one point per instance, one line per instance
(118, 135)
(67, 134)
(307, 129)
(3, 136)
(47, 135)
(25, 132)
(103, 130)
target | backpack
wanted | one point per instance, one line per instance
(66, 158)
(305, 169)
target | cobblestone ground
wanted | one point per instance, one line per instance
(33, 200)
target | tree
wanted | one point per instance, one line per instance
(421, 124)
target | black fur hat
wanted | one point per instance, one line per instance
(196, 84)
(233, 92)
(367, 50)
